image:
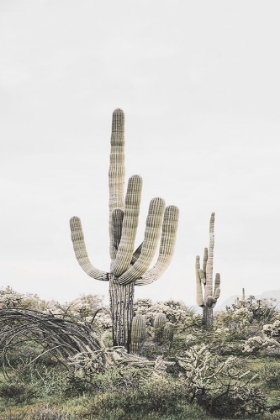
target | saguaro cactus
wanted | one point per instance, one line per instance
(204, 276)
(128, 268)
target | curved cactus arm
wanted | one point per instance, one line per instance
(129, 226)
(199, 292)
(116, 226)
(116, 170)
(211, 302)
(152, 233)
(167, 245)
(77, 237)
(136, 254)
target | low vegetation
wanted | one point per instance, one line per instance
(58, 363)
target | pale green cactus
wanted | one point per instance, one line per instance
(208, 297)
(138, 333)
(128, 268)
(168, 334)
(159, 324)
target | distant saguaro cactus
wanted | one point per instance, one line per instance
(204, 276)
(128, 268)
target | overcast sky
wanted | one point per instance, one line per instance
(199, 83)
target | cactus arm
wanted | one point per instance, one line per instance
(202, 276)
(152, 233)
(167, 245)
(77, 237)
(199, 293)
(116, 168)
(116, 171)
(211, 302)
(217, 289)
(129, 226)
(116, 226)
(205, 259)
(209, 265)
(136, 254)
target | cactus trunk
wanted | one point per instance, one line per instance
(121, 300)
(207, 316)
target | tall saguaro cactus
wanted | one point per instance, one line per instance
(204, 276)
(128, 267)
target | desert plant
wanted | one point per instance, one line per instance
(128, 268)
(204, 277)
(159, 323)
(270, 374)
(219, 385)
(168, 334)
(138, 333)
(27, 336)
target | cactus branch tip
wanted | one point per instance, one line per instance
(118, 120)
(75, 220)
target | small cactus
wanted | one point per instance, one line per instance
(168, 334)
(159, 324)
(138, 333)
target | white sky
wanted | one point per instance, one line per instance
(199, 83)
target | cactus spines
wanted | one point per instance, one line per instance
(128, 267)
(207, 299)
(138, 333)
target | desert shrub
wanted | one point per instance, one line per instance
(270, 374)
(255, 345)
(247, 317)
(217, 383)
(16, 391)
(87, 363)
(239, 402)
(158, 395)
(272, 330)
